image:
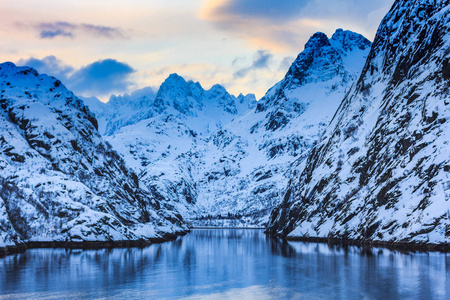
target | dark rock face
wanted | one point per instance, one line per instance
(59, 180)
(379, 172)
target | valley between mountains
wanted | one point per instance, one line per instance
(351, 145)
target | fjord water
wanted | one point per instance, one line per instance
(226, 264)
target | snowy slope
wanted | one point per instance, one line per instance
(122, 110)
(60, 181)
(241, 172)
(216, 156)
(158, 131)
(381, 171)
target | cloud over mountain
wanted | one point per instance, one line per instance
(100, 78)
(260, 61)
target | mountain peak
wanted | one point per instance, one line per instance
(349, 40)
(146, 91)
(318, 40)
(218, 89)
(136, 96)
(322, 60)
(174, 79)
(9, 67)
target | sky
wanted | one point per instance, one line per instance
(103, 47)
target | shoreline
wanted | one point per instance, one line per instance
(224, 227)
(96, 245)
(88, 245)
(400, 246)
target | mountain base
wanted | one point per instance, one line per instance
(88, 245)
(400, 246)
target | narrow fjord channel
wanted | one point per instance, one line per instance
(225, 264)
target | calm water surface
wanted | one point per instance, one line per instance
(225, 264)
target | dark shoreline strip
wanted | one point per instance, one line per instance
(401, 246)
(88, 245)
(223, 227)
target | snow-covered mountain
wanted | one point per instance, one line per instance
(241, 172)
(221, 159)
(60, 181)
(364, 156)
(204, 111)
(151, 133)
(381, 171)
(121, 110)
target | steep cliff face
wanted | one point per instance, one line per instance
(242, 170)
(382, 170)
(59, 180)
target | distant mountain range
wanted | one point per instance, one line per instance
(224, 160)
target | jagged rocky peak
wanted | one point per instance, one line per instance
(249, 98)
(218, 96)
(322, 60)
(317, 41)
(381, 171)
(9, 68)
(177, 85)
(319, 56)
(174, 80)
(246, 102)
(175, 93)
(26, 83)
(218, 89)
(188, 98)
(15, 78)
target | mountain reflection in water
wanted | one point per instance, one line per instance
(226, 263)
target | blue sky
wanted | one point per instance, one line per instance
(102, 47)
